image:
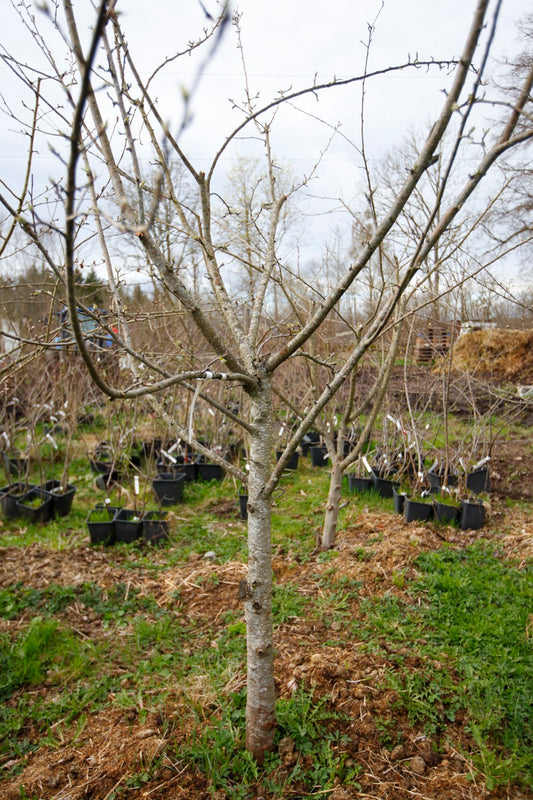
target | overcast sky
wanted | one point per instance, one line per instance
(286, 43)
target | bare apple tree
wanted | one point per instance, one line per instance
(107, 124)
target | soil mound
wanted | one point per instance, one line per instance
(503, 354)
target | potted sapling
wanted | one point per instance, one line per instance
(319, 455)
(360, 480)
(61, 490)
(17, 459)
(13, 491)
(473, 510)
(36, 505)
(447, 508)
(243, 498)
(128, 521)
(155, 526)
(101, 523)
(155, 522)
(386, 465)
(176, 459)
(478, 478)
(472, 514)
(168, 487)
(409, 461)
(418, 505)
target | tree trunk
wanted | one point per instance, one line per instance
(339, 463)
(333, 505)
(261, 696)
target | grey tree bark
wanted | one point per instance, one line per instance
(261, 698)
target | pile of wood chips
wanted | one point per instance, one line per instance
(500, 353)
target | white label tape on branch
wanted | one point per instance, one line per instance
(52, 441)
(170, 458)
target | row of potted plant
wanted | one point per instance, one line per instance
(383, 472)
(36, 503)
(108, 525)
(111, 467)
(426, 496)
(41, 503)
(467, 513)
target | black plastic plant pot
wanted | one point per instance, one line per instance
(155, 527)
(234, 450)
(311, 438)
(472, 515)
(136, 455)
(243, 506)
(62, 498)
(384, 486)
(100, 467)
(417, 511)
(168, 487)
(478, 481)
(319, 455)
(15, 465)
(210, 472)
(436, 481)
(292, 463)
(10, 495)
(446, 513)
(105, 480)
(36, 505)
(164, 464)
(359, 485)
(101, 525)
(188, 468)
(398, 499)
(128, 525)
(52, 484)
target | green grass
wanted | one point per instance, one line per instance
(45, 651)
(481, 609)
(287, 603)
(111, 604)
(476, 611)
(87, 673)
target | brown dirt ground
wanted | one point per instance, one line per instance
(115, 744)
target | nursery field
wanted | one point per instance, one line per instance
(403, 656)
